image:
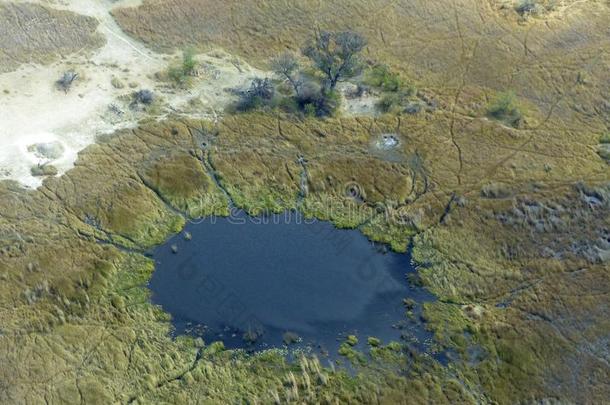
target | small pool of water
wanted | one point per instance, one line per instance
(283, 281)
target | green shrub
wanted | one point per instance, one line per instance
(328, 104)
(176, 75)
(354, 356)
(181, 74)
(535, 7)
(505, 108)
(309, 110)
(287, 104)
(189, 64)
(319, 103)
(605, 138)
(525, 7)
(381, 77)
(395, 102)
(390, 103)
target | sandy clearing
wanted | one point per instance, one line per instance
(32, 110)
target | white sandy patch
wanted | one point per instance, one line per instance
(355, 104)
(33, 110)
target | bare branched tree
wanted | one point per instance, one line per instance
(287, 67)
(336, 55)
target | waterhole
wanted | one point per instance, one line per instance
(281, 281)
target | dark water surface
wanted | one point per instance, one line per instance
(247, 281)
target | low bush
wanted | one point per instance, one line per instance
(381, 77)
(177, 76)
(144, 96)
(260, 94)
(182, 73)
(116, 83)
(390, 103)
(526, 8)
(318, 102)
(66, 80)
(189, 63)
(505, 108)
(396, 96)
(496, 191)
(312, 100)
(395, 102)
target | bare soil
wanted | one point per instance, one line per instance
(33, 110)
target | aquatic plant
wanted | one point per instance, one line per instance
(373, 341)
(351, 340)
(290, 338)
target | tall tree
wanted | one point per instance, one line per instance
(286, 66)
(336, 55)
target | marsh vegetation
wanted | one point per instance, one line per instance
(507, 219)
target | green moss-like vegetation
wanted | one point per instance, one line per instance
(373, 341)
(349, 352)
(351, 340)
(196, 197)
(390, 231)
(448, 323)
